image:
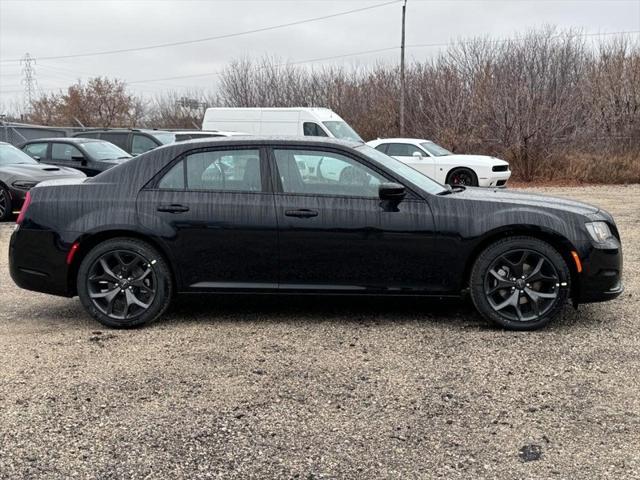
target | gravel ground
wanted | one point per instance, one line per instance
(243, 387)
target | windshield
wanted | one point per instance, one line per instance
(405, 171)
(435, 150)
(164, 137)
(342, 130)
(10, 155)
(105, 151)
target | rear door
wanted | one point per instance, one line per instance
(215, 211)
(405, 153)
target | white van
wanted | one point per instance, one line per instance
(314, 122)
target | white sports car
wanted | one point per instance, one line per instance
(442, 165)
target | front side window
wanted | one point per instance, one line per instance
(325, 173)
(36, 150)
(435, 149)
(313, 130)
(224, 170)
(141, 144)
(402, 150)
(64, 151)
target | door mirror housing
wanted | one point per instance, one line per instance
(36, 158)
(417, 155)
(392, 192)
(79, 158)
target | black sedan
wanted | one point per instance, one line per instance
(313, 216)
(85, 154)
(19, 173)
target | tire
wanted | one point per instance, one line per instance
(501, 294)
(124, 283)
(6, 209)
(462, 176)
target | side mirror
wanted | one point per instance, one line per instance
(79, 158)
(36, 158)
(417, 155)
(392, 192)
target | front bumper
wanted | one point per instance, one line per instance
(495, 179)
(17, 198)
(601, 277)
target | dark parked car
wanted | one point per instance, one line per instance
(305, 215)
(19, 173)
(84, 154)
(134, 141)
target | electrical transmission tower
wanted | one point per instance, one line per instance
(29, 79)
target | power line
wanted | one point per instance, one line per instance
(365, 52)
(217, 37)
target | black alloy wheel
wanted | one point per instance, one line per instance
(124, 283)
(5, 204)
(464, 177)
(520, 283)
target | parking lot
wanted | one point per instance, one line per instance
(281, 387)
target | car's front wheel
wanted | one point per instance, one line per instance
(462, 176)
(124, 283)
(520, 283)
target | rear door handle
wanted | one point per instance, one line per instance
(301, 213)
(173, 208)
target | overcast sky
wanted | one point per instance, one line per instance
(46, 28)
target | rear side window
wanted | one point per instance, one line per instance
(224, 170)
(141, 144)
(313, 130)
(117, 138)
(382, 147)
(36, 150)
(174, 178)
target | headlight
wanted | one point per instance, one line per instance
(24, 184)
(599, 231)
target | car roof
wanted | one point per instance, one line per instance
(274, 139)
(64, 139)
(104, 130)
(402, 139)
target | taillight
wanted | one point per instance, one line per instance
(23, 210)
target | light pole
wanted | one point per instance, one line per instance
(402, 81)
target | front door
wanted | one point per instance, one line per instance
(414, 157)
(335, 233)
(217, 217)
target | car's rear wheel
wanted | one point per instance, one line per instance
(6, 208)
(124, 283)
(520, 283)
(462, 176)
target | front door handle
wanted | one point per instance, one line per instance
(301, 213)
(173, 208)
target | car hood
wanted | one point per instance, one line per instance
(526, 199)
(473, 160)
(39, 171)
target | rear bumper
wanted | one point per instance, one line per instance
(601, 277)
(37, 261)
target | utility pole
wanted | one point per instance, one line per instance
(29, 79)
(402, 82)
